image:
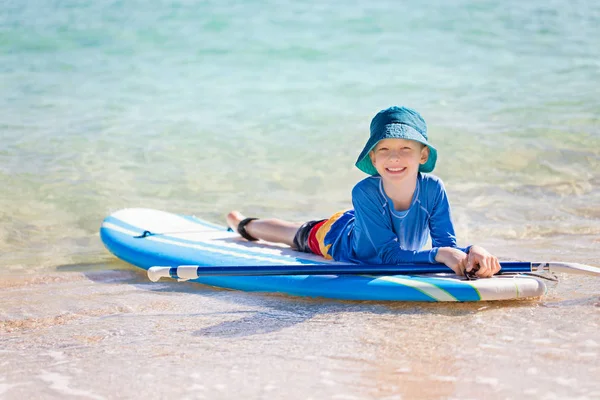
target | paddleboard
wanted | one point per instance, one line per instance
(146, 238)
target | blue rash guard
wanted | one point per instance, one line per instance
(375, 233)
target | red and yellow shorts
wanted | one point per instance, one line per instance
(310, 237)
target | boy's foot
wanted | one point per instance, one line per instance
(233, 219)
(237, 222)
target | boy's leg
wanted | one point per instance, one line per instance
(271, 230)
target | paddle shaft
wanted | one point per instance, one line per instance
(185, 272)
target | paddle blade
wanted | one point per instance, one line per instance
(573, 268)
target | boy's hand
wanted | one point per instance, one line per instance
(453, 258)
(487, 263)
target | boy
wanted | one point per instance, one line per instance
(395, 209)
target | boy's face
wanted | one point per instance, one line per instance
(398, 159)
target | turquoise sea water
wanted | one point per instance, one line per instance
(202, 107)
(198, 107)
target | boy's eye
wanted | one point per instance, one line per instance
(383, 149)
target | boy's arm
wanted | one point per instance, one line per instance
(442, 235)
(441, 227)
(373, 226)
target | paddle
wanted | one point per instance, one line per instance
(185, 272)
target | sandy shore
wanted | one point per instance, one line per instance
(112, 334)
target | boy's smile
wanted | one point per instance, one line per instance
(398, 158)
(395, 170)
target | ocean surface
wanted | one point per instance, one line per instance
(200, 107)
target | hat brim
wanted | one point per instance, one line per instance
(395, 131)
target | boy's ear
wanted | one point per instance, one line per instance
(424, 154)
(372, 157)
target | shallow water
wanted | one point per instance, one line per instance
(198, 108)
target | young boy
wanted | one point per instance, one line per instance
(395, 209)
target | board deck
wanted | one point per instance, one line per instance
(146, 238)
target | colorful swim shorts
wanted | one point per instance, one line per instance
(311, 236)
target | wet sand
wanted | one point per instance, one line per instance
(106, 332)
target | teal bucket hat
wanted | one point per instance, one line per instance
(396, 123)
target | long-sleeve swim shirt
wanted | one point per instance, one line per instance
(374, 232)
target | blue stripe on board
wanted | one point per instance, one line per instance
(193, 218)
(455, 288)
(345, 287)
(120, 223)
(212, 246)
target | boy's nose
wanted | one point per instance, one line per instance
(394, 154)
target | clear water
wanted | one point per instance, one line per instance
(201, 107)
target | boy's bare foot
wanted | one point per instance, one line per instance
(233, 219)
